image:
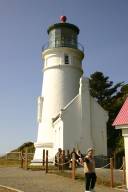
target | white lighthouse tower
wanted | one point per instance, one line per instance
(64, 115)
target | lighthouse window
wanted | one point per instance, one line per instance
(66, 59)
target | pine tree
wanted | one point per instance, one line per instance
(109, 96)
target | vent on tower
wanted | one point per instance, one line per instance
(66, 59)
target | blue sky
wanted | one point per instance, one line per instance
(23, 31)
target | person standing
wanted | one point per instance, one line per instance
(89, 170)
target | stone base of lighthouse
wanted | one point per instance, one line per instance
(38, 156)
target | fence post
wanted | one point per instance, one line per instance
(73, 165)
(68, 157)
(26, 158)
(6, 156)
(22, 160)
(114, 160)
(46, 164)
(19, 156)
(111, 170)
(63, 159)
(43, 158)
(59, 158)
(68, 154)
(124, 172)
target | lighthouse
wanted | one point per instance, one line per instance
(66, 111)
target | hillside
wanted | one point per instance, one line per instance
(29, 145)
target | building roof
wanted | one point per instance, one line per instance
(122, 117)
(63, 25)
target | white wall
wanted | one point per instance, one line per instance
(99, 130)
(84, 123)
(72, 124)
(84, 94)
(94, 119)
(58, 135)
(125, 135)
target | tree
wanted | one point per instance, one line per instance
(109, 96)
(103, 89)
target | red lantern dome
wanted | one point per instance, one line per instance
(63, 19)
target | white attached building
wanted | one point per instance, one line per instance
(68, 116)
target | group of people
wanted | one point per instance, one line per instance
(88, 162)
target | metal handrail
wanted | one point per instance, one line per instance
(79, 46)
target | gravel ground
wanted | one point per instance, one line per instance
(39, 181)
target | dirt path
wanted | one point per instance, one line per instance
(5, 189)
(38, 181)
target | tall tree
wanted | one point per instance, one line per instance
(103, 89)
(106, 94)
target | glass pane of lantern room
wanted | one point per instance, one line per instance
(52, 39)
(68, 38)
(58, 38)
